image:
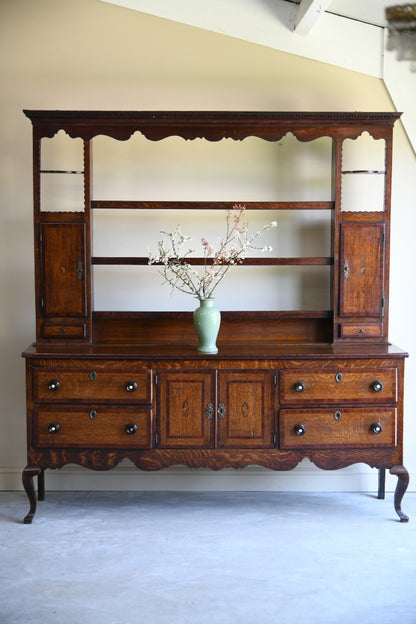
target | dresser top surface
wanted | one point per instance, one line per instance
(225, 352)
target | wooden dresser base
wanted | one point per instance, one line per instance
(95, 406)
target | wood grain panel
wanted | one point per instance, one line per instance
(107, 427)
(324, 387)
(346, 427)
(88, 384)
(63, 270)
(362, 270)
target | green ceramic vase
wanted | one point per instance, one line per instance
(207, 319)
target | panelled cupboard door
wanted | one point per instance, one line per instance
(63, 269)
(362, 270)
(186, 409)
(245, 409)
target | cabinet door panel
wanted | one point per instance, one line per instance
(185, 409)
(362, 269)
(63, 269)
(245, 409)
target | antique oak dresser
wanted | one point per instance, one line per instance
(318, 382)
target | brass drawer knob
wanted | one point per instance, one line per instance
(53, 385)
(377, 385)
(376, 427)
(299, 430)
(299, 386)
(131, 429)
(53, 428)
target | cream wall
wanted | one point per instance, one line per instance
(76, 54)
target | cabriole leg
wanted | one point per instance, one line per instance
(27, 478)
(402, 483)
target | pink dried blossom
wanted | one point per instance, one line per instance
(232, 249)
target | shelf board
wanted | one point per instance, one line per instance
(143, 261)
(208, 205)
(368, 171)
(225, 314)
(61, 171)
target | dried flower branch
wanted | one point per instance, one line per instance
(232, 249)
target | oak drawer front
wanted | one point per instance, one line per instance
(304, 386)
(92, 428)
(64, 330)
(345, 427)
(132, 386)
(361, 330)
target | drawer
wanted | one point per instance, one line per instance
(132, 386)
(361, 330)
(64, 330)
(116, 427)
(345, 427)
(305, 386)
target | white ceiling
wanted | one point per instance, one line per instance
(345, 33)
(310, 11)
(368, 11)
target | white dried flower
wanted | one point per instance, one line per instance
(232, 250)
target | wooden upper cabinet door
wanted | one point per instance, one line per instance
(362, 270)
(186, 409)
(63, 270)
(245, 409)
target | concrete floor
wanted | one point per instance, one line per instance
(207, 558)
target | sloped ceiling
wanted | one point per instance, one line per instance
(346, 33)
(272, 23)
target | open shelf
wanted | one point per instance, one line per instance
(325, 175)
(209, 205)
(143, 261)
